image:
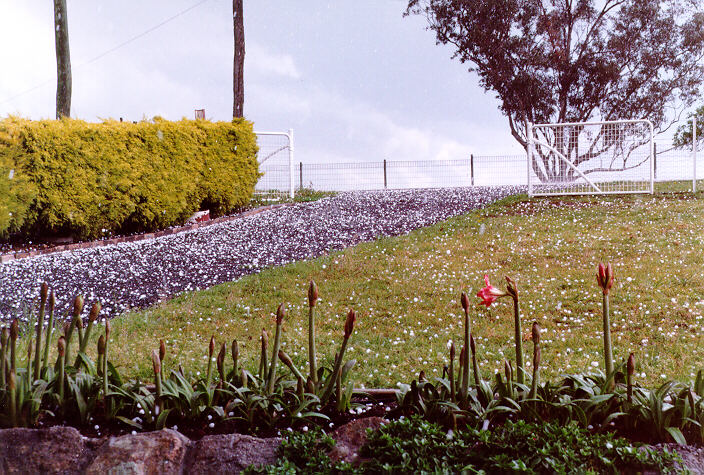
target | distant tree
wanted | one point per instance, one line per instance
(576, 60)
(238, 69)
(63, 60)
(683, 135)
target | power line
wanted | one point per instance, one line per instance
(114, 48)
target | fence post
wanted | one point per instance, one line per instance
(529, 157)
(290, 163)
(471, 168)
(694, 153)
(385, 183)
(300, 175)
(655, 161)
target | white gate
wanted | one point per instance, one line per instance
(590, 158)
(275, 159)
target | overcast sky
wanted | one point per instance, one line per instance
(354, 79)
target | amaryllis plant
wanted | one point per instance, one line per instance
(491, 294)
(605, 279)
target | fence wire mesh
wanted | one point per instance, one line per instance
(673, 170)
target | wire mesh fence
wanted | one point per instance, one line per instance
(282, 177)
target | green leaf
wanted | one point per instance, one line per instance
(676, 435)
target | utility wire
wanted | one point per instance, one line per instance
(114, 48)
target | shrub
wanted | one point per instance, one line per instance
(16, 191)
(118, 177)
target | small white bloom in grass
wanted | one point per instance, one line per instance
(450, 434)
(211, 425)
(595, 364)
(663, 376)
(609, 445)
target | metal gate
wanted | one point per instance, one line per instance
(580, 158)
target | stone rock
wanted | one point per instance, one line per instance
(231, 453)
(55, 450)
(160, 452)
(351, 437)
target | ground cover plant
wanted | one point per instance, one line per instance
(414, 445)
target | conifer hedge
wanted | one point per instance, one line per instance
(95, 179)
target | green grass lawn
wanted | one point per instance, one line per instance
(406, 291)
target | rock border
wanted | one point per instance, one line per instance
(135, 237)
(64, 450)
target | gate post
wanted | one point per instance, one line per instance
(694, 153)
(530, 157)
(290, 163)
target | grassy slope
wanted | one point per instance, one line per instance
(406, 291)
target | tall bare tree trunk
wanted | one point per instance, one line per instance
(63, 61)
(238, 70)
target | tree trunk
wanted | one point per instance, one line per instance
(63, 61)
(238, 69)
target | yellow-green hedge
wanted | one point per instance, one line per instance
(91, 180)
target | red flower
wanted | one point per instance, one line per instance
(490, 294)
(605, 277)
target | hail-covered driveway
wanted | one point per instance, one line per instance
(138, 274)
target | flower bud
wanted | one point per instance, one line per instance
(452, 350)
(101, 345)
(44, 292)
(631, 364)
(605, 277)
(156, 364)
(94, 311)
(312, 294)
(211, 347)
(285, 359)
(14, 329)
(162, 350)
(221, 356)
(77, 306)
(265, 339)
(280, 313)
(465, 302)
(107, 329)
(349, 323)
(535, 333)
(4, 335)
(511, 288)
(472, 345)
(61, 346)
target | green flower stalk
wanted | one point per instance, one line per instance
(349, 328)
(61, 349)
(28, 369)
(605, 279)
(508, 369)
(312, 299)
(75, 320)
(49, 331)
(489, 295)
(512, 290)
(105, 359)
(14, 333)
(280, 312)
(92, 317)
(460, 372)
(235, 356)
(263, 356)
(475, 366)
(101, 354)
(156, 366)
(43, 295)
(4, 338)
(535, 331)
(453, 395)
(630, 370)
(464, 388)
(211, 350)
(286, 360)
(221, 362)
(12, 387)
